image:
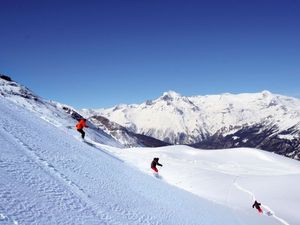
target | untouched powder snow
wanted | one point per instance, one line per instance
(50, 177)
(231, 177)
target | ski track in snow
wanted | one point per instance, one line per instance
(81, 202)
(239, 187)
(7, 220)
(67, 199)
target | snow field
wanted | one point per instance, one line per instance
(49, 177)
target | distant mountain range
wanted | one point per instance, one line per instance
(260, 120)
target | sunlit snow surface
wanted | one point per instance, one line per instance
(231, 177)
(49, 176)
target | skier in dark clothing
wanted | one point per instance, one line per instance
(80, 125)
(154, 163)
(257, 206)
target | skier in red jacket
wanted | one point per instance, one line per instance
(80, 125)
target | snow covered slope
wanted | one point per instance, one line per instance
(61, 116)
(215, 118)
(231, 177)
(101, 129)
(50, 177)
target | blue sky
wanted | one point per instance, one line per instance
(92, 54)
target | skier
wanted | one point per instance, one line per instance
(154, 163)
(257, 206)
(80, 125)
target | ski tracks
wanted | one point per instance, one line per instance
(69, 198)
(66, 199)
(253, 198)
(7, 220)
(239, 187)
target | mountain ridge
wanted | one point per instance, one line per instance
(211, 119)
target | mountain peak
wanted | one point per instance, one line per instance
(10, 88)
(266, 93)
(6, 78)
(170, 95)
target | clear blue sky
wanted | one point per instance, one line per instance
(92, 54)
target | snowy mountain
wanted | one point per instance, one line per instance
(49, 176)
(260, 120)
